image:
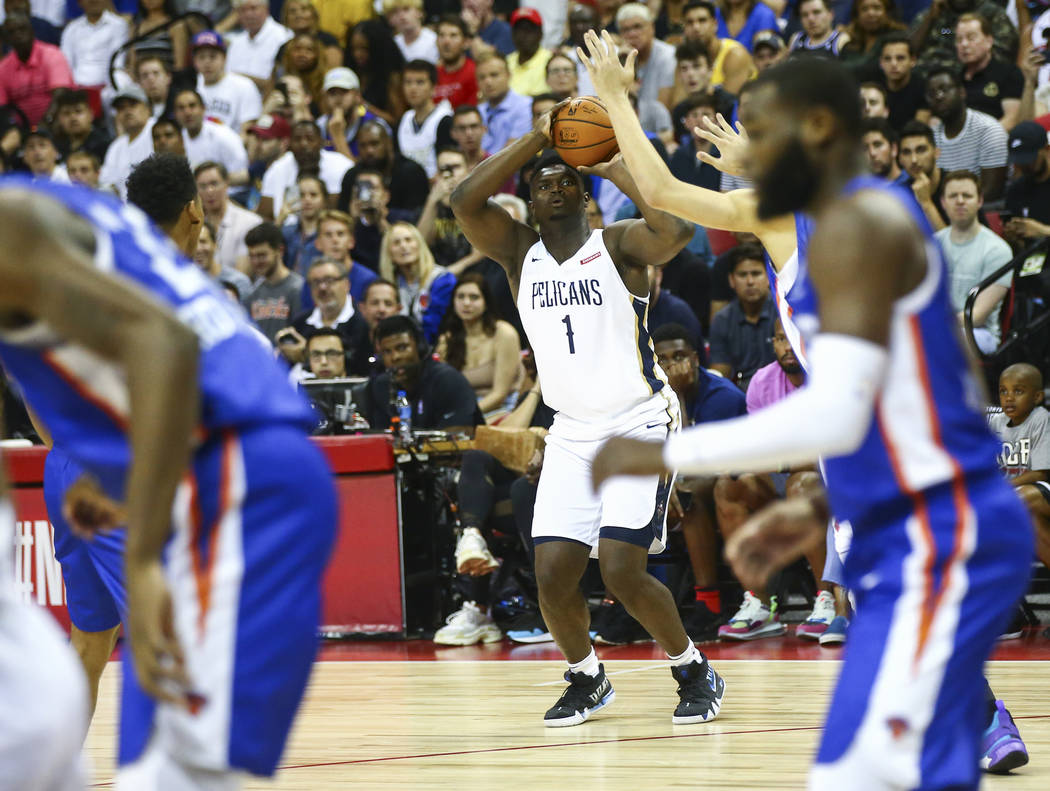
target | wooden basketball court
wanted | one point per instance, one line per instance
(450, 722)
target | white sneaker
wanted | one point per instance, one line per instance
(753, 621)
(472, 554)
(820, 619)
(467, 626)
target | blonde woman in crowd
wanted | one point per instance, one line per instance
(425, 287)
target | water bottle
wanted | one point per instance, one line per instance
(404, 415)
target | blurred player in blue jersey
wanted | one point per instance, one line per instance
(187, 430)
(942, 548)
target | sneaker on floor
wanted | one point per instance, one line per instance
(701, 624)
(617, 627)
(467, 626)
(584, 696)
(1001, 747)
(753, 621)
(1016, 627)
(835, 634)
(472, 554)
(529, 628)
(820, 619)
(700, 690)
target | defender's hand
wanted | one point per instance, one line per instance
(622, 456)
(773, 538)
(731, 144)
(602, 60)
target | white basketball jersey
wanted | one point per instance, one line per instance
(596, 363)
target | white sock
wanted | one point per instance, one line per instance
(690, 654)
(588, 665)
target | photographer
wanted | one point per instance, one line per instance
(405, 180)
(368, 207)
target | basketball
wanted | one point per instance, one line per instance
(582, 133)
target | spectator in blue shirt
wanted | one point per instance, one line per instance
(489, 28)
(742, 19)
(705, 397)
(507, 115)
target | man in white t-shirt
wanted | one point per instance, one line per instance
(415, 41)
(89, 41)
(231, 222)
(132, 111)
(229, 98)
(206, 140)
(305, 153)
(253, 50)
(417, 132)
(972, 252)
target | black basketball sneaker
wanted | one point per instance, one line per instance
(701, 690)
(584, 696)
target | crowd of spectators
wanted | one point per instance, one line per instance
(326, 137)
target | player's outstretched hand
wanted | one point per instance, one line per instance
(773, 538)
(88, 509)
(731, 144)
(159, 662)
(602, 60)
(622, 456)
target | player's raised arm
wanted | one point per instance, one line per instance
(485, 223)
(46, 275)
(731, 211)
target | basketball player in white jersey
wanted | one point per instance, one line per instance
(43, 693)
(582, 299)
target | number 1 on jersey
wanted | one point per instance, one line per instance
(569, 333)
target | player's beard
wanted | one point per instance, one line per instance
(789, 185)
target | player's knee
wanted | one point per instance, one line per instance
(620, 573)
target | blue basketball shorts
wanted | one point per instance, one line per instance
(253, 526)
(935, 583)
(93, 569)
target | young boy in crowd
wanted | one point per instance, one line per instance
(1023, 426)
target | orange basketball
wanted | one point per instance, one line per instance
(582, 133)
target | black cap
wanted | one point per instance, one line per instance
(1026, 141)
(39, 131)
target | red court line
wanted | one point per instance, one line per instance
(560, 744)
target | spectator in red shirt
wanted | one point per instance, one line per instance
(456, 79)
(31, 71)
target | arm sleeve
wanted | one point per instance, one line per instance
(829, 416)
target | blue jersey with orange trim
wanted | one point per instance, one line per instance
(929, 427)
(83, 399)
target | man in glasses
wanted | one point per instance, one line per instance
(333, 312)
